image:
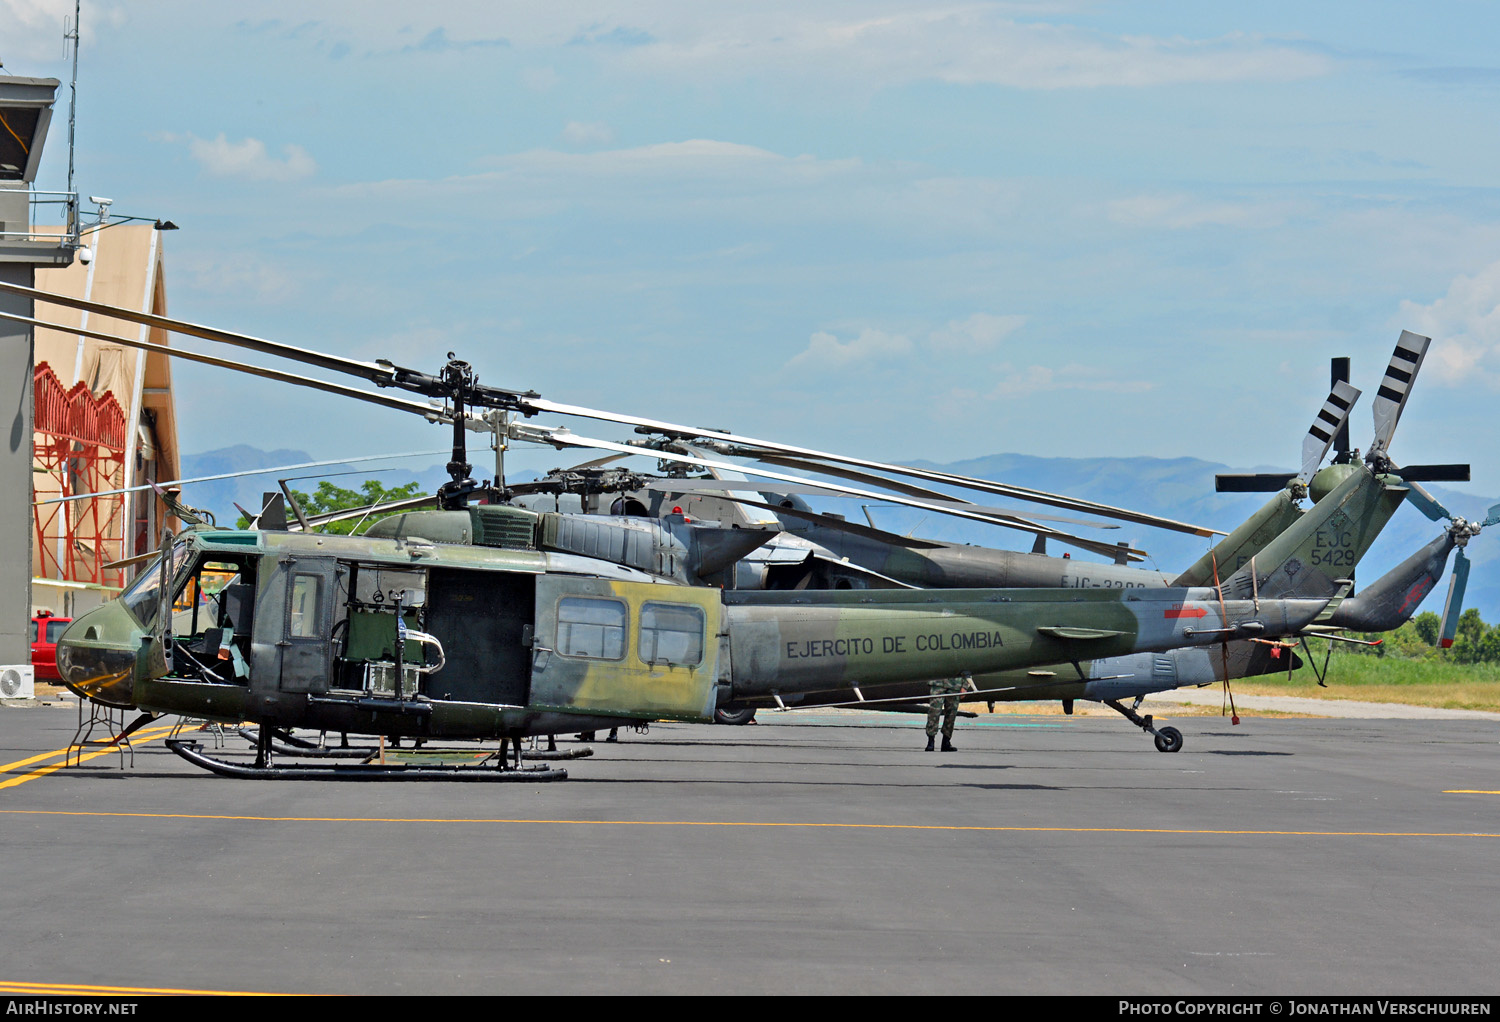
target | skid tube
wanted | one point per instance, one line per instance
(193, 752)
(291, 745)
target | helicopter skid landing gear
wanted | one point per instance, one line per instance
(552, 751)
(263, 770)
(286, 744)
(1168, 739)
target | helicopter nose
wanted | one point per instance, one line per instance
(94, 664)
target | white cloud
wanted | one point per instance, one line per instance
(1184, 212)
(240, 274)
(1037, 379)
(980, 332)
(580, 133)
(31, 35)
(33, 30)
(871, 43)
(825, 351)
(249, 160)
(971, 44)
(541, 178)
(540, 79)
(1466, 322)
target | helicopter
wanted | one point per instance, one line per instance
(835, 543)
(479, 622)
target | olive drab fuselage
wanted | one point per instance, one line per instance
(308, 631)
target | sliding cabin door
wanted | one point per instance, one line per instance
(631, 649)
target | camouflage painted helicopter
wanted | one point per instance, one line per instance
(477, 622)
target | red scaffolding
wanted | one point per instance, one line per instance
(79, 447)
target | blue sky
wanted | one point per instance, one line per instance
(902, 230)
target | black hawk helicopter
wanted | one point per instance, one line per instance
(818, 551)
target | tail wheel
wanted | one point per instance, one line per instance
(734, 715)
(1168, 739)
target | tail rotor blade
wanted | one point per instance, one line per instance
(1455, 604)
(1339, 372)
(1420, 498)
(1492, 517)
(1390, 399)
(1436, 473)
(1251, 482)
(1426, 502)
(1332, 421)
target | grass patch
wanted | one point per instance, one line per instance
(1389, 680)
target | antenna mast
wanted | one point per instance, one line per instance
(72, 118)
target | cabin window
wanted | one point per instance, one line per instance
(307, 595)
(671, 633)
(591, 628)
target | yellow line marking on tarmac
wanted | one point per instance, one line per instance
(90, 990)
(139, 738)
(1470, 791)
(749, 823)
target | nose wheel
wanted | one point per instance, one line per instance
(1168, 739)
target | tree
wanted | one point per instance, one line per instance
(330, 498)
(1427, 625)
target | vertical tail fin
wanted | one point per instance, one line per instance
(1316, 556)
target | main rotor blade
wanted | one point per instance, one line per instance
(830, 491)
(385, 374)
(381, 373)
(1390, 399)
(1333, 419)
(596, 463)
(563, 437)
(429, 411)
(237, 475)
(895, 485)
(1043, 497)
(839, 524)
(759, 447)
(936, 496)
(371, 371)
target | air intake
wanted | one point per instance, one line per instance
(510, 528)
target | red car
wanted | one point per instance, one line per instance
(44, 632)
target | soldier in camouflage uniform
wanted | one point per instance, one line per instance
(943, 702)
